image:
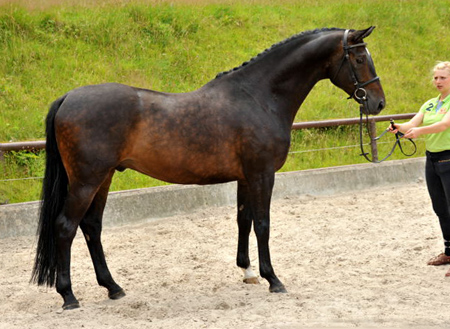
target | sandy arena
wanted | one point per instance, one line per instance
(347, 260)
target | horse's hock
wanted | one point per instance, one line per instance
(141, 205)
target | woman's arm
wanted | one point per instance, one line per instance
(416, 121)
(437, 127)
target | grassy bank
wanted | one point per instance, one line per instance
(50, 47)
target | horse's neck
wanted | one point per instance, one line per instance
(286, 81)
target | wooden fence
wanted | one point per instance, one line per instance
(38, 145)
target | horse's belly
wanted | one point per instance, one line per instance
(192, 170)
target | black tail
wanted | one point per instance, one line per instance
(54, 192)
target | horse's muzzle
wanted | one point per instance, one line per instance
(372, 107)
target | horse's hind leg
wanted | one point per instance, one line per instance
(77, 202)
(91, 225)
(244, 219)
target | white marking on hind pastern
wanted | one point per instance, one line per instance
(249, 275)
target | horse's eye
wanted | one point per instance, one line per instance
(360, 60)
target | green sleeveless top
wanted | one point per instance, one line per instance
(434, 111)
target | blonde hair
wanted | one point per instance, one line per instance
(442, 66)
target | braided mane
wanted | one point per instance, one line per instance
(276, 45)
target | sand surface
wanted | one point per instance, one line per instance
(348, 260)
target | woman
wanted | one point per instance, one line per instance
(433, 121)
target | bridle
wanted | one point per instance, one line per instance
(360, 95)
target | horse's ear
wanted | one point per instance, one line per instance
(358, 36)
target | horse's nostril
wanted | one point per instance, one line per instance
(381, 105)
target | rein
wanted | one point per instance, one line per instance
(398, 137)
(360, 94)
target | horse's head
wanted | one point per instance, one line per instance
(353, 71)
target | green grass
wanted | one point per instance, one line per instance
(50, 47)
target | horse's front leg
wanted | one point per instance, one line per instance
(260, 191)
(244, 220)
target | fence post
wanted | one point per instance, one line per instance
(373, 141)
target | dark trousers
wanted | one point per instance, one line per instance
(437, 173)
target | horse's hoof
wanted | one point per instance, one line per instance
(117, 295)
(278, 289)
(71, 306)
(252, 280)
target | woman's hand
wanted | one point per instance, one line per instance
(393, 128)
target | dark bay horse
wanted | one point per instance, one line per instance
(235, 128)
